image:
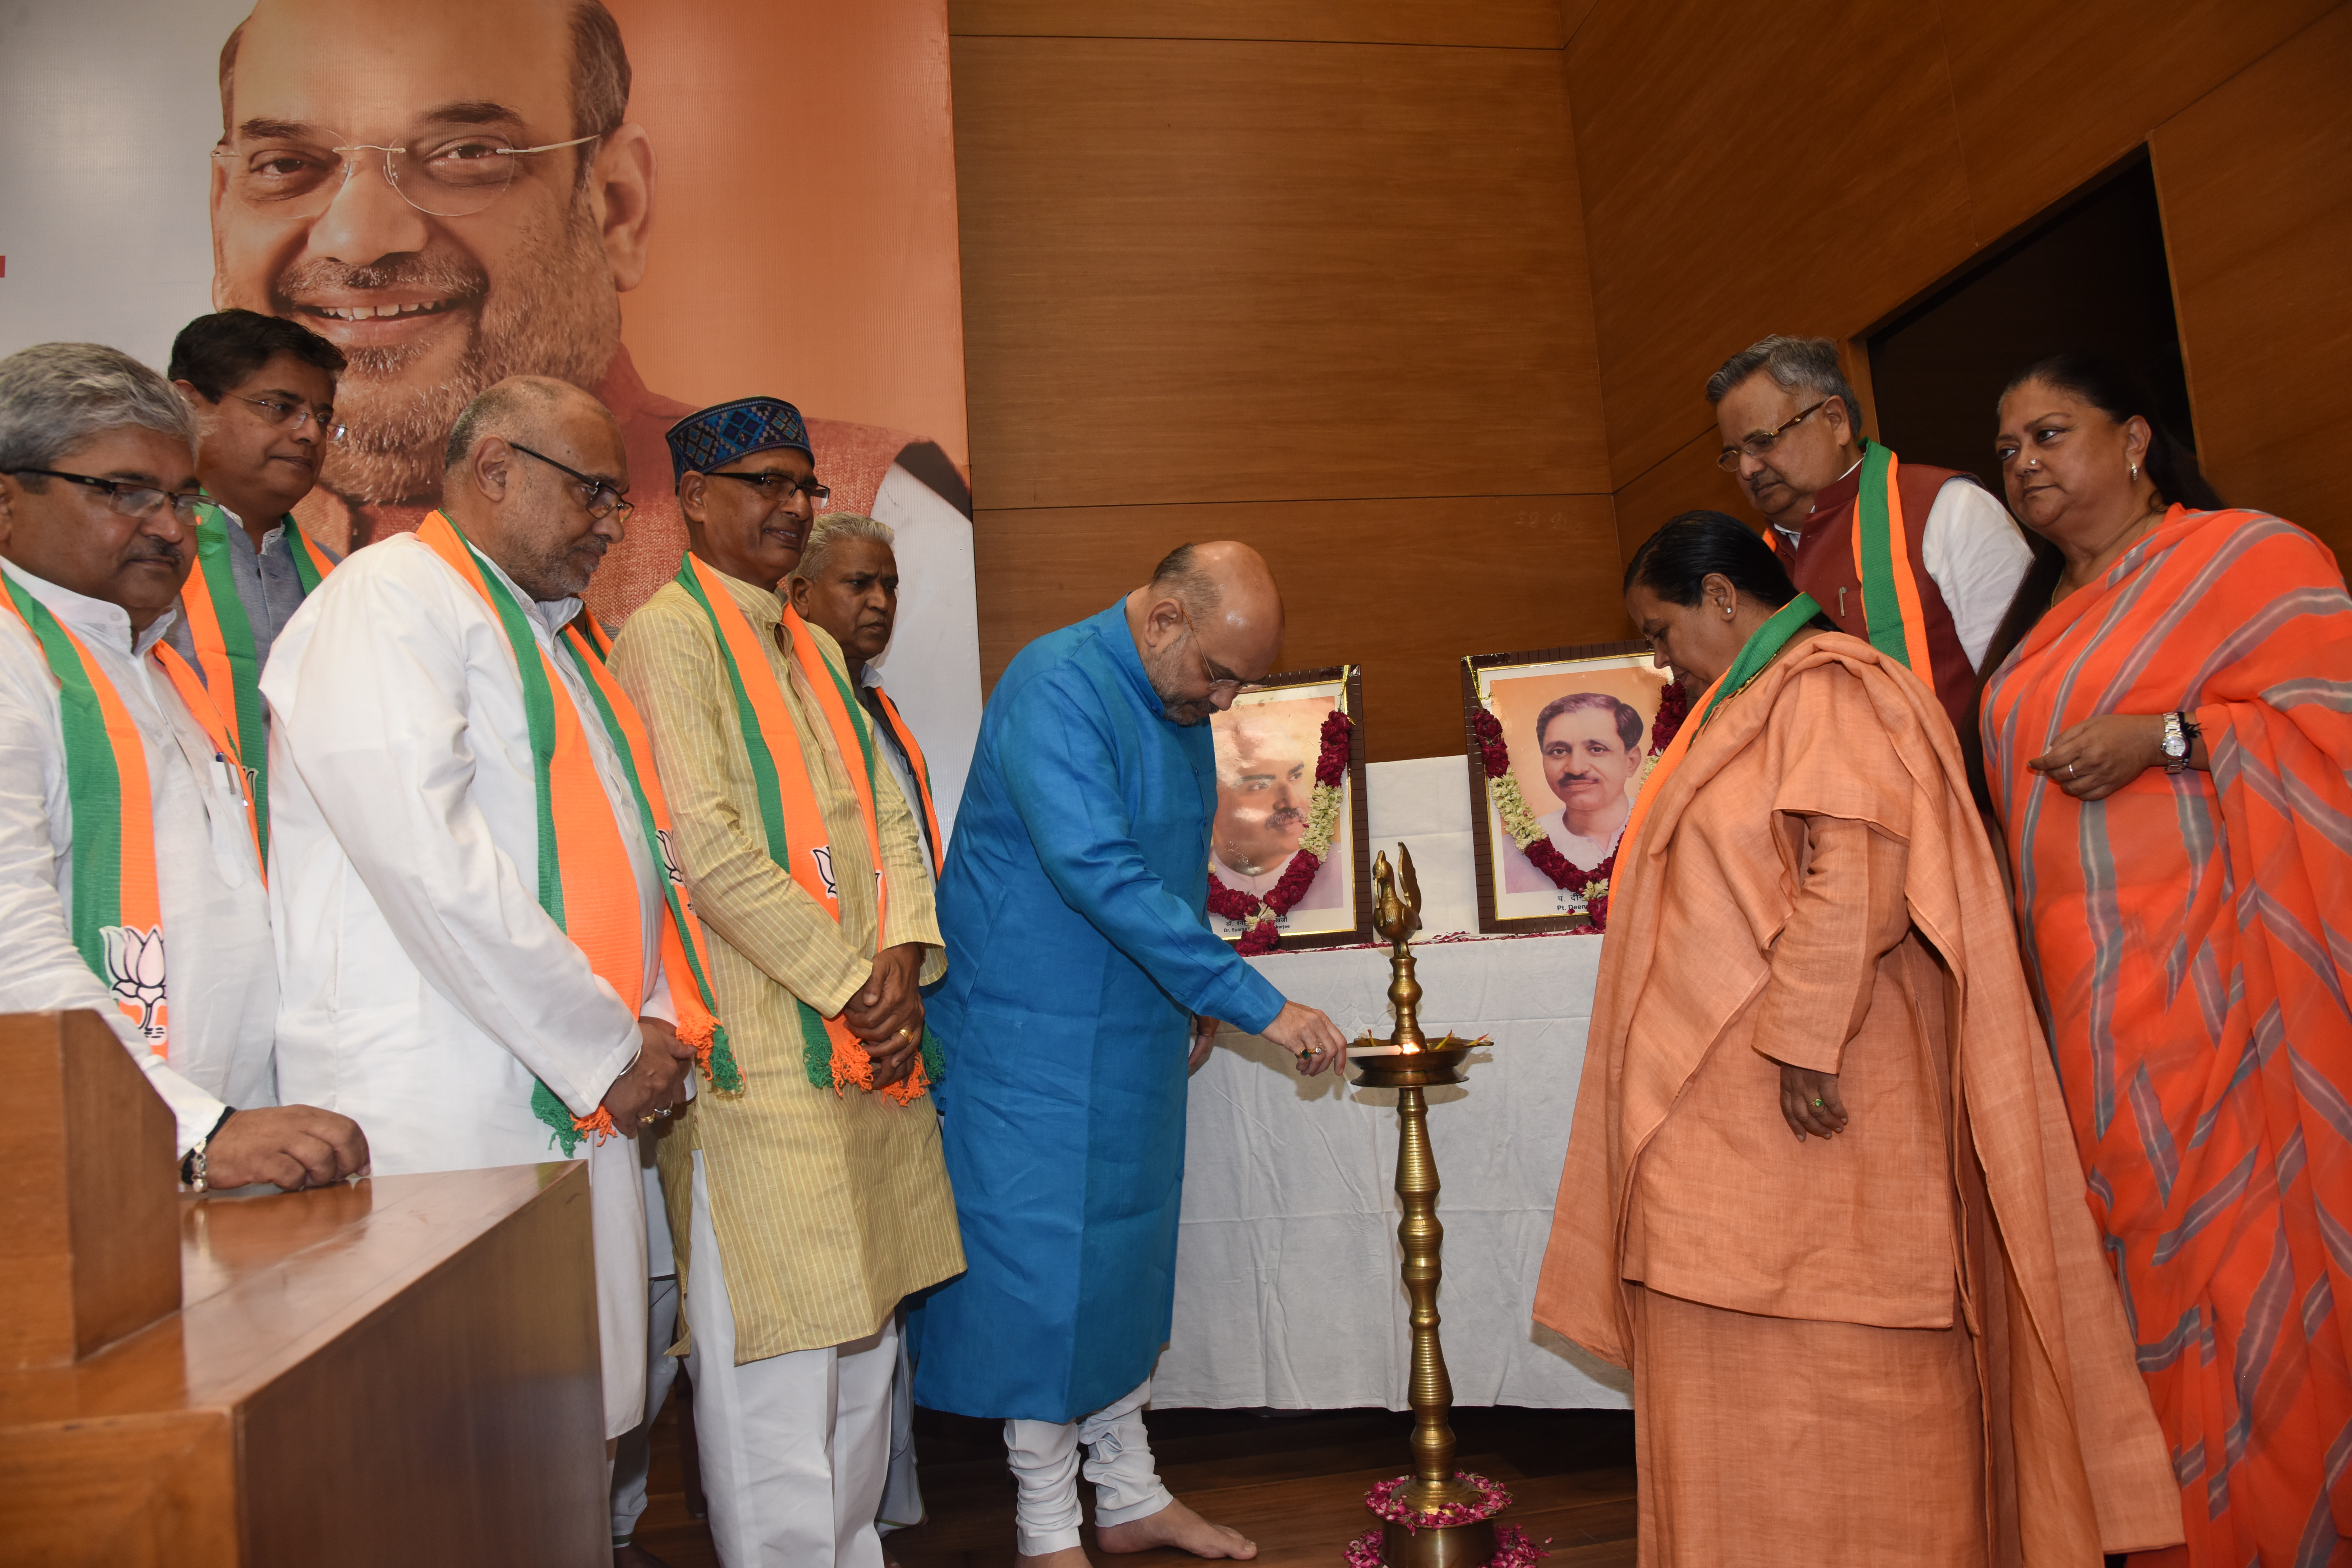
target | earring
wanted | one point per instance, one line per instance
(2135, 473)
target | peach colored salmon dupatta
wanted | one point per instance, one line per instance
(2077, 1465)
(2191, 938)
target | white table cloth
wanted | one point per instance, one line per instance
(1287, 1293)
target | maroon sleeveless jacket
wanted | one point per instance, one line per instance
(1821, 564)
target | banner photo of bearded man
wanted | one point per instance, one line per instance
(668, 203)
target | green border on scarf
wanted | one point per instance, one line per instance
(726, 1075)
(93, 785)
(1881, 607)
(816, 1045)
(1761, 648)
(243, 659)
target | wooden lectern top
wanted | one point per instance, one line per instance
(354, 1371)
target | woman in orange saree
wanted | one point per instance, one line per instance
(2168, 748)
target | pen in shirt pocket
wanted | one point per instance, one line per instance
(232, 773)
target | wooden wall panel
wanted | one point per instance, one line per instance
(1200, 271)
(1403, 587)
(1792, 168)
(2255, 181)
(1687, 480)
(2048, 95)
(1521, 24)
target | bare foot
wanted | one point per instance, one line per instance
(1069, 1557)
(635, 1556)
(1176, 1526)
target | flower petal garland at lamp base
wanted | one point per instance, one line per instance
(1258, 915)
(1588, 888)
(1512, 1547)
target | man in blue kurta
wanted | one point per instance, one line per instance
(1080, 962)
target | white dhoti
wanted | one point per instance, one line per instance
(1044, 1459)
(795, 1447)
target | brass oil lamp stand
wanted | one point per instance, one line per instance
(1408, 1061)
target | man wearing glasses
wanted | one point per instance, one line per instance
(471, 897)
(1081, 968)
(130, 877)
(263, 392)
(807, 1199)
(1938, 553)
(460, 196)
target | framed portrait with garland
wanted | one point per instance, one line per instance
(1559, 741)
(1289, 854)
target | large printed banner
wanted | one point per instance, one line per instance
(671, 203)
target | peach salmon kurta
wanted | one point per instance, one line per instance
(1900, 1344)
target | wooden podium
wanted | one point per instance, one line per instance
(397, 1370)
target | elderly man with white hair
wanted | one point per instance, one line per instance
(129, 873)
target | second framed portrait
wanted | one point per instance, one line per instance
(1287, 845)
(1559, 741)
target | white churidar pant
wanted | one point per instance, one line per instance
(634, 1458)
(795, 1447)
(1044, 1459)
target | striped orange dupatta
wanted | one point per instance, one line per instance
(117, 913)
(225, 644)
(586, 884)
(922, 772)
(2191, 940)
(792, 819)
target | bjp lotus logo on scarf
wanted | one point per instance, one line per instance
(668, 858)
(822, 856)
(134, 972)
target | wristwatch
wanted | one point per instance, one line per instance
(2176, 743)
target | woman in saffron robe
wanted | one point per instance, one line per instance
(2184, 919)
(1819, 1195)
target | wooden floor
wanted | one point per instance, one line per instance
(1293, 1481)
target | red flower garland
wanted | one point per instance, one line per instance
(1495, 752)
(1229, 902)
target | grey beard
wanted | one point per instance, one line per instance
(559, 317)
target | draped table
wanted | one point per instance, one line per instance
(1287, 1293)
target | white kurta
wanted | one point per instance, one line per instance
(423, 986)
(220, 979)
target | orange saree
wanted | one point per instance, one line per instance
(1900, 1345)
(2190, 937)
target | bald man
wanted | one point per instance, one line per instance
(1079, 963)
(473, 988)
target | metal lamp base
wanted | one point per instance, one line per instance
(1451, 1546)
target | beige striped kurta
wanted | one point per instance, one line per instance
(829, 1208)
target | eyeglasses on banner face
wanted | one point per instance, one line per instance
(455, 177)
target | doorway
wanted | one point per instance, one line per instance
(2093, 278)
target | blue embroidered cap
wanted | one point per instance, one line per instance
(719, 434)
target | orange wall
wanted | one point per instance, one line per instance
(787, 255)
